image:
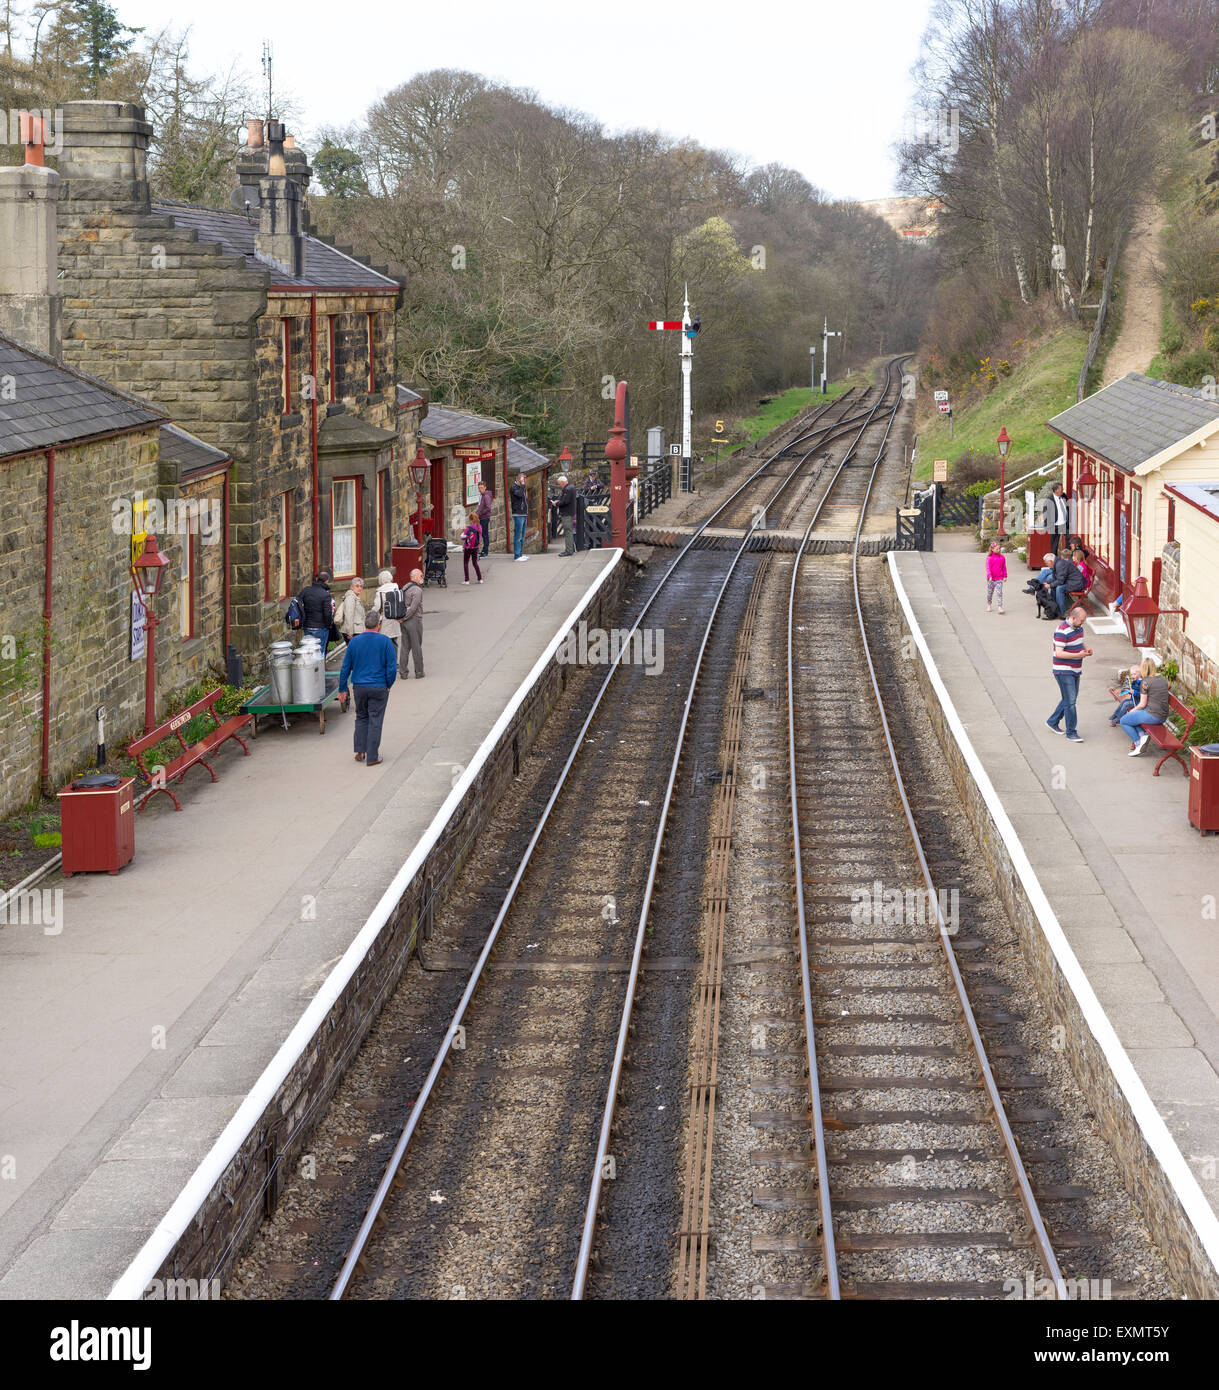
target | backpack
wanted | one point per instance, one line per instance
(393, 605)
(295, 616)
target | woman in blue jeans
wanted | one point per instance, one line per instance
(1152, 707)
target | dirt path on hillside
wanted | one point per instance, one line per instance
(1139, 338)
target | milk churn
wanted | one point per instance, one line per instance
(308, 675)
(281, 672)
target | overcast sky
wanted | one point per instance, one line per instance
(822, 88)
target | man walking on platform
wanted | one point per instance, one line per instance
(519, 500)
(1067, 665)
(411, 641)
(370, 665)
(567, 510)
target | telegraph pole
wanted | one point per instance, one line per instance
(826, 335)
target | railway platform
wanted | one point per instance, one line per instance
(131, 1036)
(1127, 876)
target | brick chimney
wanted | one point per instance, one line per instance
(105, 154)
(30, 302)
(280, 242)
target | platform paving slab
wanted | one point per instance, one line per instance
(1125, 873)
(174, 983)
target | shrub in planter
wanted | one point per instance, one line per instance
(1206, 723)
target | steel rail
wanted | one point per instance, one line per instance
(828, 1244)
(390, 1174)
(1041, 1237)
(999, 1114)
(590, 1214)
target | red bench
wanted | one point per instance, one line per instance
(1163, 736)
(159, 777)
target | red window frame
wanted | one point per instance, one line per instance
(358, 549)
(190, 545)
(286, 384)
(285, 522)
(266, 569)
(332, 356)
(383, 518)
(372, 361)
(1172, 520)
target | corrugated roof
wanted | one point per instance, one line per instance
(326, 267)
(443, 423)
(53, 405)
(1204, 495)
(1134, 419)
(524, 456)
(190, 453)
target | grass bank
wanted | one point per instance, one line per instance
(1040, 387)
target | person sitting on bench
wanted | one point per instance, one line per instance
(1152, 707)
(1066, 580)
(1131, 692)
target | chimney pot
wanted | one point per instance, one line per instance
(289, 142)
(254, 133)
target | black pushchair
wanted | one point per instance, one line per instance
(435, 560)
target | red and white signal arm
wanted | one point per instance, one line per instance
(661, 324)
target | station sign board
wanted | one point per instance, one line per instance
(941, 395)
(939, 471)
(472, 451)
(944, 408)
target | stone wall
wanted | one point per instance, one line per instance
(226, 1221)
(1145, 1179)
(1199, 672)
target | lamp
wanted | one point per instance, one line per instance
(1142, 612)
(147, 574)
(419, 472)
(1005, 444)
(1085, 484)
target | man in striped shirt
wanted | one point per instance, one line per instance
(1067, 664)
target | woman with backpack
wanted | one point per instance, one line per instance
(470, 539)
(387, 601)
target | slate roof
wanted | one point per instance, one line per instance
(1134, 419)
(344, 433)
(524, 456)
(326, 267)
(407, 397)
(443, 424)
(54, 405)
(191, 454)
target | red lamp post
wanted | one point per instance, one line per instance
(419, 472)
(1005, 444)
(147, 573)
(615, 451)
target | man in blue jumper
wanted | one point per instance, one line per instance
(372, 665)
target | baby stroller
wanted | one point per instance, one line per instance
(435, 560)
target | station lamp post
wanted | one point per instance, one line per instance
(1005, 443)
(147, 573)
(419, 472)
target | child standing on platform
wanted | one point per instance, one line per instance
(471, 539)
(996, 573)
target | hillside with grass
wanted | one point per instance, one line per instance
(1018, 392)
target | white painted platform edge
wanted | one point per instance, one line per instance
(1193, 1201)
(132, 1283)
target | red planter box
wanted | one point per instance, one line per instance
(1039, 542)
(97, 826)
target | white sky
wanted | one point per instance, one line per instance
(820, 87)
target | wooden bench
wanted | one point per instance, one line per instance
(1163, 736)
(160, 777)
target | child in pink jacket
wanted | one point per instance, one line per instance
(996, 573)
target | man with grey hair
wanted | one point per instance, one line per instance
(567, 510)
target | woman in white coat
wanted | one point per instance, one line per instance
(391, 627)
(350, 618)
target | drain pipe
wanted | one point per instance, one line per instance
(313, 416)
(48, 570)
(227, 577)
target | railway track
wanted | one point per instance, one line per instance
(507, 1075)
